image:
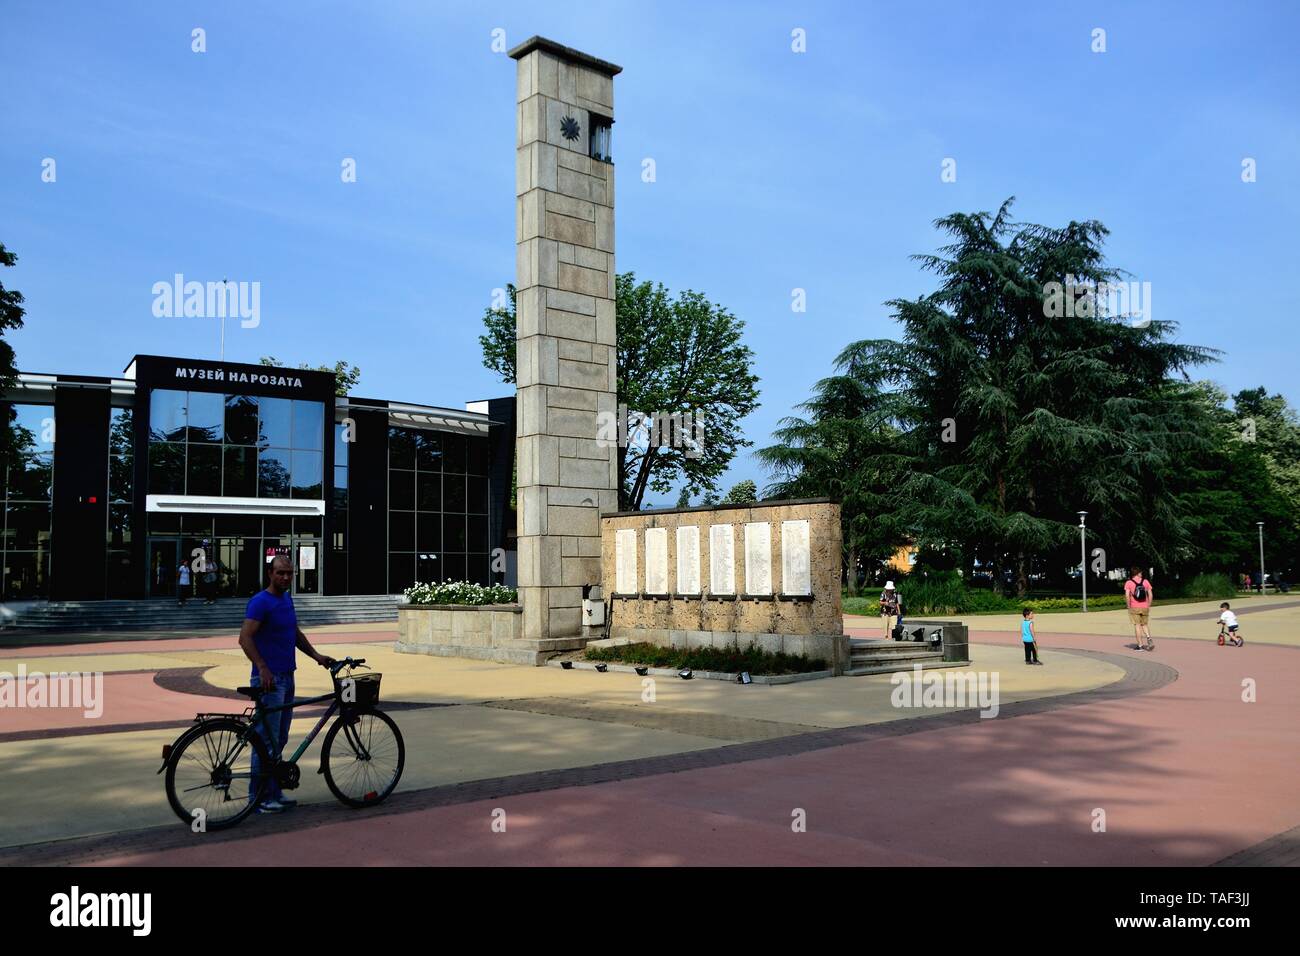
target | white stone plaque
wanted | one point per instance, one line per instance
(722, 560)
(656, 560)
(796, 558)
(625, 561)
(688, 560)
(758, 557)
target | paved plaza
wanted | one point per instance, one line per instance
(588, 771)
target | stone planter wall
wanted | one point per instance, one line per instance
(484, 632)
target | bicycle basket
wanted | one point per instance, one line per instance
(359, 690)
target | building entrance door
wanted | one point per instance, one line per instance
(164, 559)
(306, 565)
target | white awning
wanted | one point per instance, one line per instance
(209, 504)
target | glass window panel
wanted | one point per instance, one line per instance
(119, 526)
(275, 416)
(453, 533)
(241, 420)
(307, 528)
(428, 567)
(340, 488)
(476, 533)
(31, 478)
(166, 415)
(401, 572)
(238, 526)
(428, 451)
(166, 468)
(240, 477)
(340, 532)
(453, 453)
(121, 477)
(401, 531)
(453, 567)
(207, 412)
(273, 470)
(476, 462)
(164, 523)
(476, 495)
(428, 532)
(453, 493)
(26, 575)
(37, 424)
(203, 470)
(308, 425)
(121, 436)
(401, 490)
(279, 526)
(197, 526)
(401, 448)
(27, 526)
(478, 570)
(428, 492)
(308, 472)
(341, 446)
(121, 574)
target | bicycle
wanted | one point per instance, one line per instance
(209, 766)
(1236, 640)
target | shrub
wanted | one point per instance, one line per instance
(1210, 586)
(731, 660)
(460, 592)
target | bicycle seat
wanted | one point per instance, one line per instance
(253, 692)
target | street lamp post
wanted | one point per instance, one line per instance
(1083, 557)
(1262, 579)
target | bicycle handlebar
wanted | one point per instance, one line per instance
(346, 662)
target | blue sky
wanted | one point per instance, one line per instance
(775, 170)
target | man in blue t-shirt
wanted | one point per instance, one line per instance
(270, 637)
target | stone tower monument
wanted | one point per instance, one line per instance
(566, 366)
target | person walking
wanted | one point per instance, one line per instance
(1028, 638)
(891, 607)
(182, 583)
(269, 638)
(1139, 595)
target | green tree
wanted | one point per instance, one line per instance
(742, 492)
(843, 447)
(678, 356)
(13, 438)
(1009, 418)
(346, 376)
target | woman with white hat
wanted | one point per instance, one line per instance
(891, 604)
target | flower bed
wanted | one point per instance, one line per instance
(460, 592)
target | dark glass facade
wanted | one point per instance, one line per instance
(222, 466)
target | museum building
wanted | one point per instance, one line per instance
(224, 465)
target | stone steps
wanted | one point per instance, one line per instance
(163, 613)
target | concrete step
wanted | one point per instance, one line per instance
(162, 613)
(895, 668)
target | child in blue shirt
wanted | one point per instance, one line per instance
(1028, 638)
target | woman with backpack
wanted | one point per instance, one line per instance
(1138, 594)
(890, 608)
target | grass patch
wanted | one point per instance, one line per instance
(731, 660)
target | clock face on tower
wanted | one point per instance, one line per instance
(569, 128)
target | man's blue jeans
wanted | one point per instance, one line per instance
(276, 735)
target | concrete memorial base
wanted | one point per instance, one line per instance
(488, 632)
(832, 648)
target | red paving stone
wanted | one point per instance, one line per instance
(1188, 774)
(207, 643)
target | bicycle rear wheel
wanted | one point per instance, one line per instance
(363, 757)
(209, 775)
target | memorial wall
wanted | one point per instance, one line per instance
(766, 572)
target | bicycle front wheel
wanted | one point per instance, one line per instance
(363, 757)
(210, 774)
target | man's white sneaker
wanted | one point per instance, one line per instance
(271, 806)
